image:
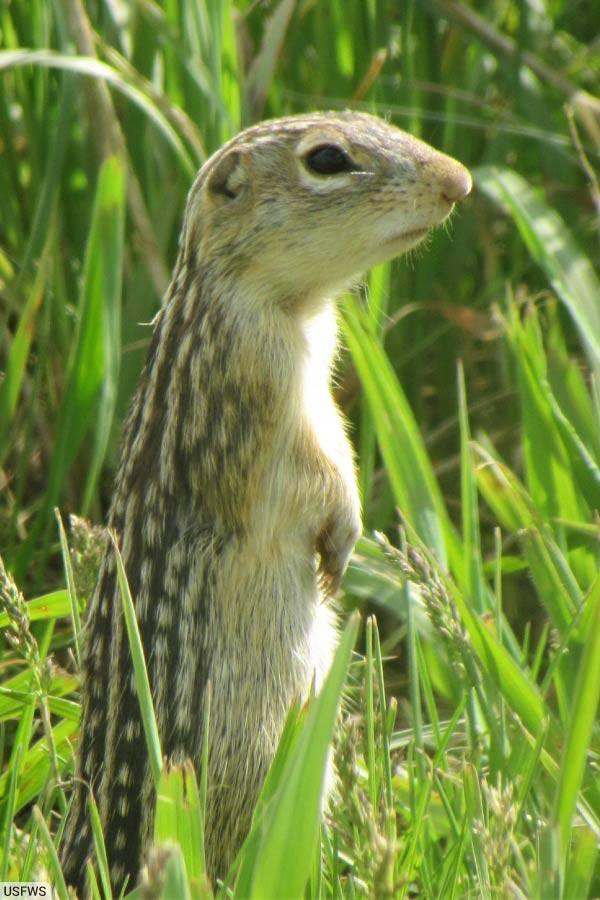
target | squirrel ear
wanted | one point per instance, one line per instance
(229, 175)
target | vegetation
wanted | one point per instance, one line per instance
(468, 748)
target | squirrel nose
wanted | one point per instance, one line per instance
(456, 183)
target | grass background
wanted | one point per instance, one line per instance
(468, 753)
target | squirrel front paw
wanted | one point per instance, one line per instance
(335, 544)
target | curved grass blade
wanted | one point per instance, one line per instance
(94, 68)
(553, 247)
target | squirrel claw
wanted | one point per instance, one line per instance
(335, 549)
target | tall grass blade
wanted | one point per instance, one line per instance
(551, 477)
(8, 813)
(370, 717)
(36, 765)
(176, 884)
(142, 682)
(280, 849)
(92, 362)
(100, 847)
(520, 693)
(475, 584)
(583, 717)
(553, 247)
(71, 589)
(15, 367)
(409, 469)
(19, 754)
(54, 869)
(583, 860)
(262, 69)
(378, 302)
(178, 819)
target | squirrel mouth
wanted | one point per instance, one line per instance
(408, 237)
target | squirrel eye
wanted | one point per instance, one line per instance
(328, 160)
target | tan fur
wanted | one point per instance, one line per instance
(236, 495)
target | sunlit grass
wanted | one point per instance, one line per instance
(467, 743)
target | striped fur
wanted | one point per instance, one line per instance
(236, 481)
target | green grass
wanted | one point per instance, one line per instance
(467, 746)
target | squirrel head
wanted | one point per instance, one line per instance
(305, 204)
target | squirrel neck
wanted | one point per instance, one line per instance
(225, 374)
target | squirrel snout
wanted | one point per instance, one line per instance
(455, 182)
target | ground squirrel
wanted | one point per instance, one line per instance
(236, 503)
